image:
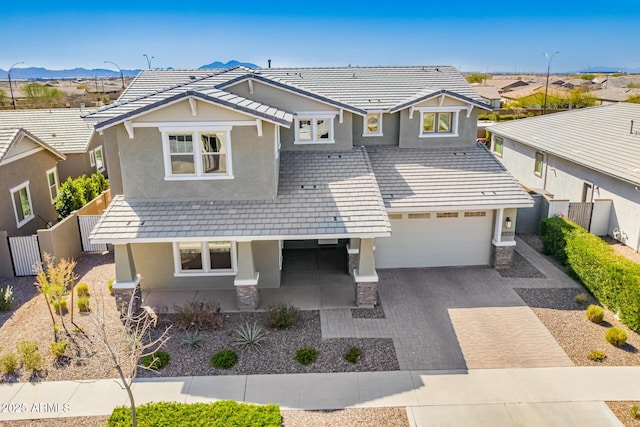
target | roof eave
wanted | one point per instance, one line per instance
(432, 95)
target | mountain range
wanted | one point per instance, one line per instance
(39, 73)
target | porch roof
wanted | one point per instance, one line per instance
(445, 179)
(327, 194)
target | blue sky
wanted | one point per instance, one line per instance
(489, 36)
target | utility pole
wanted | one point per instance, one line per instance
(13, 100)
(546, 88)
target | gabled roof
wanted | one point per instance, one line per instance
(598, 138)
(328, 193)
(10, 136)
(422, 96)
(61, 128)
(444, 179)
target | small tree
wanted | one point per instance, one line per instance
(100, 182)
(130, 346)
(41, 96)
(54, 281)
(477, 77)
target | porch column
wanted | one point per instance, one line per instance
(353, 249)
(365, 276)
(503, 242)
(126, 287)
(246, 281)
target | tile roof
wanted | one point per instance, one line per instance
(598, 138)
(444, 178)
(331, 193)
(61, 128)
(11, 135)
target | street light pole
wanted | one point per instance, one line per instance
(546, 88)
(118, 67)
(148, 60)
(13, 100)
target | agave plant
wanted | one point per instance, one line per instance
(250, 336)
(192, 340)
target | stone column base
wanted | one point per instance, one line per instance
(352, 262)
(501, 256)
(366, 294)
(247, 297)
(126, 296)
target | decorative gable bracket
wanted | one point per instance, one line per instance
(129, 127)
(194, 106)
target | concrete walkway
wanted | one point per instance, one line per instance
(509, 397)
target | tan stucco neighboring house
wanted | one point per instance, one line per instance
(66, 131)
(222, 174)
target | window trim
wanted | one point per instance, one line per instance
(455, 118)
(495, 146)
(206, 261)
(101, 167)
(20, 224)
(539, 155)
(92, 158)
(365, 132)
(314, 117)
(196, 131)
(53, 170)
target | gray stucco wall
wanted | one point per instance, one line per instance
(63, 240)
(342, 133)
(410, 129)
(154, 261)
(280, 98)
(6, 265)
(390, 131)
(77, 164)
(142, 167)
(112, 154)
(33, 169)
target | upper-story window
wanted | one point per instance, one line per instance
(314, 129)
(498, 144)
(52, 182)
(539, 162)
(21, 198)
(372, 125)
(199, 154)
(439, 121)
(99, 159)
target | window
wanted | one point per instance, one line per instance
(99, 159)
(197, 154)
(204, 258)
(372, 125)
(92, 158)
(22, 208)
(497, 146)
(438, 123)
(314, 130)
(537, 168)
(52, 182)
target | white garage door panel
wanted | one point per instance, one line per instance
(435, 242)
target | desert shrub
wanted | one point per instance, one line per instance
(156, 360)
(597, 355)
(616, 336)
(220, 413)
(250, 336)
(224, 359)
(30, 356)
(353, 355)
(306, 355)
(198, 315)
(59, 305)
(82, 290)
(581, 298)
(595, 313)
(58, 348)
(282, 316)
(634, 412)
(8, 363)
(6, 298)
(192, 340)
(110, 287)
(83, 304)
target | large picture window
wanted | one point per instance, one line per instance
(199, 154)
(21, 198)
(314, 130)
(204, 258)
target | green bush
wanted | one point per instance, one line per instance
(75, 193)
(59, 305)
(30, 355)
(595, 313)
(58, 348)
(220, 413)
(6, 298)
(611, 278)
(224, 359)
(597, 355)
(156, 360)
(353, 355)
(616, 336)
(82, 290)
(84, 305)
(282, 316)
(8, 363)
(306, 355)
(100, 182)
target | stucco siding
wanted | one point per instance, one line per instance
(77, 164)
(112, 154)
(142, 168)
(266, 257)
(410, 131)
(390, 131)
(342, 133)
(181, 112)
(283, 99)
(519, 159)
(33, 169)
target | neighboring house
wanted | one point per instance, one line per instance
(614, 94)
(580, 155)
(217, 172)
(66, 131)
(489, 95)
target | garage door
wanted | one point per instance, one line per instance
(436, 240)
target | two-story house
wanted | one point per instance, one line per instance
(219, 171)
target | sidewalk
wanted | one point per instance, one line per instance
(573, 395)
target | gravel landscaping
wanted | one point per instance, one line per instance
(521, 269)
(622, 410)
(376, 312)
